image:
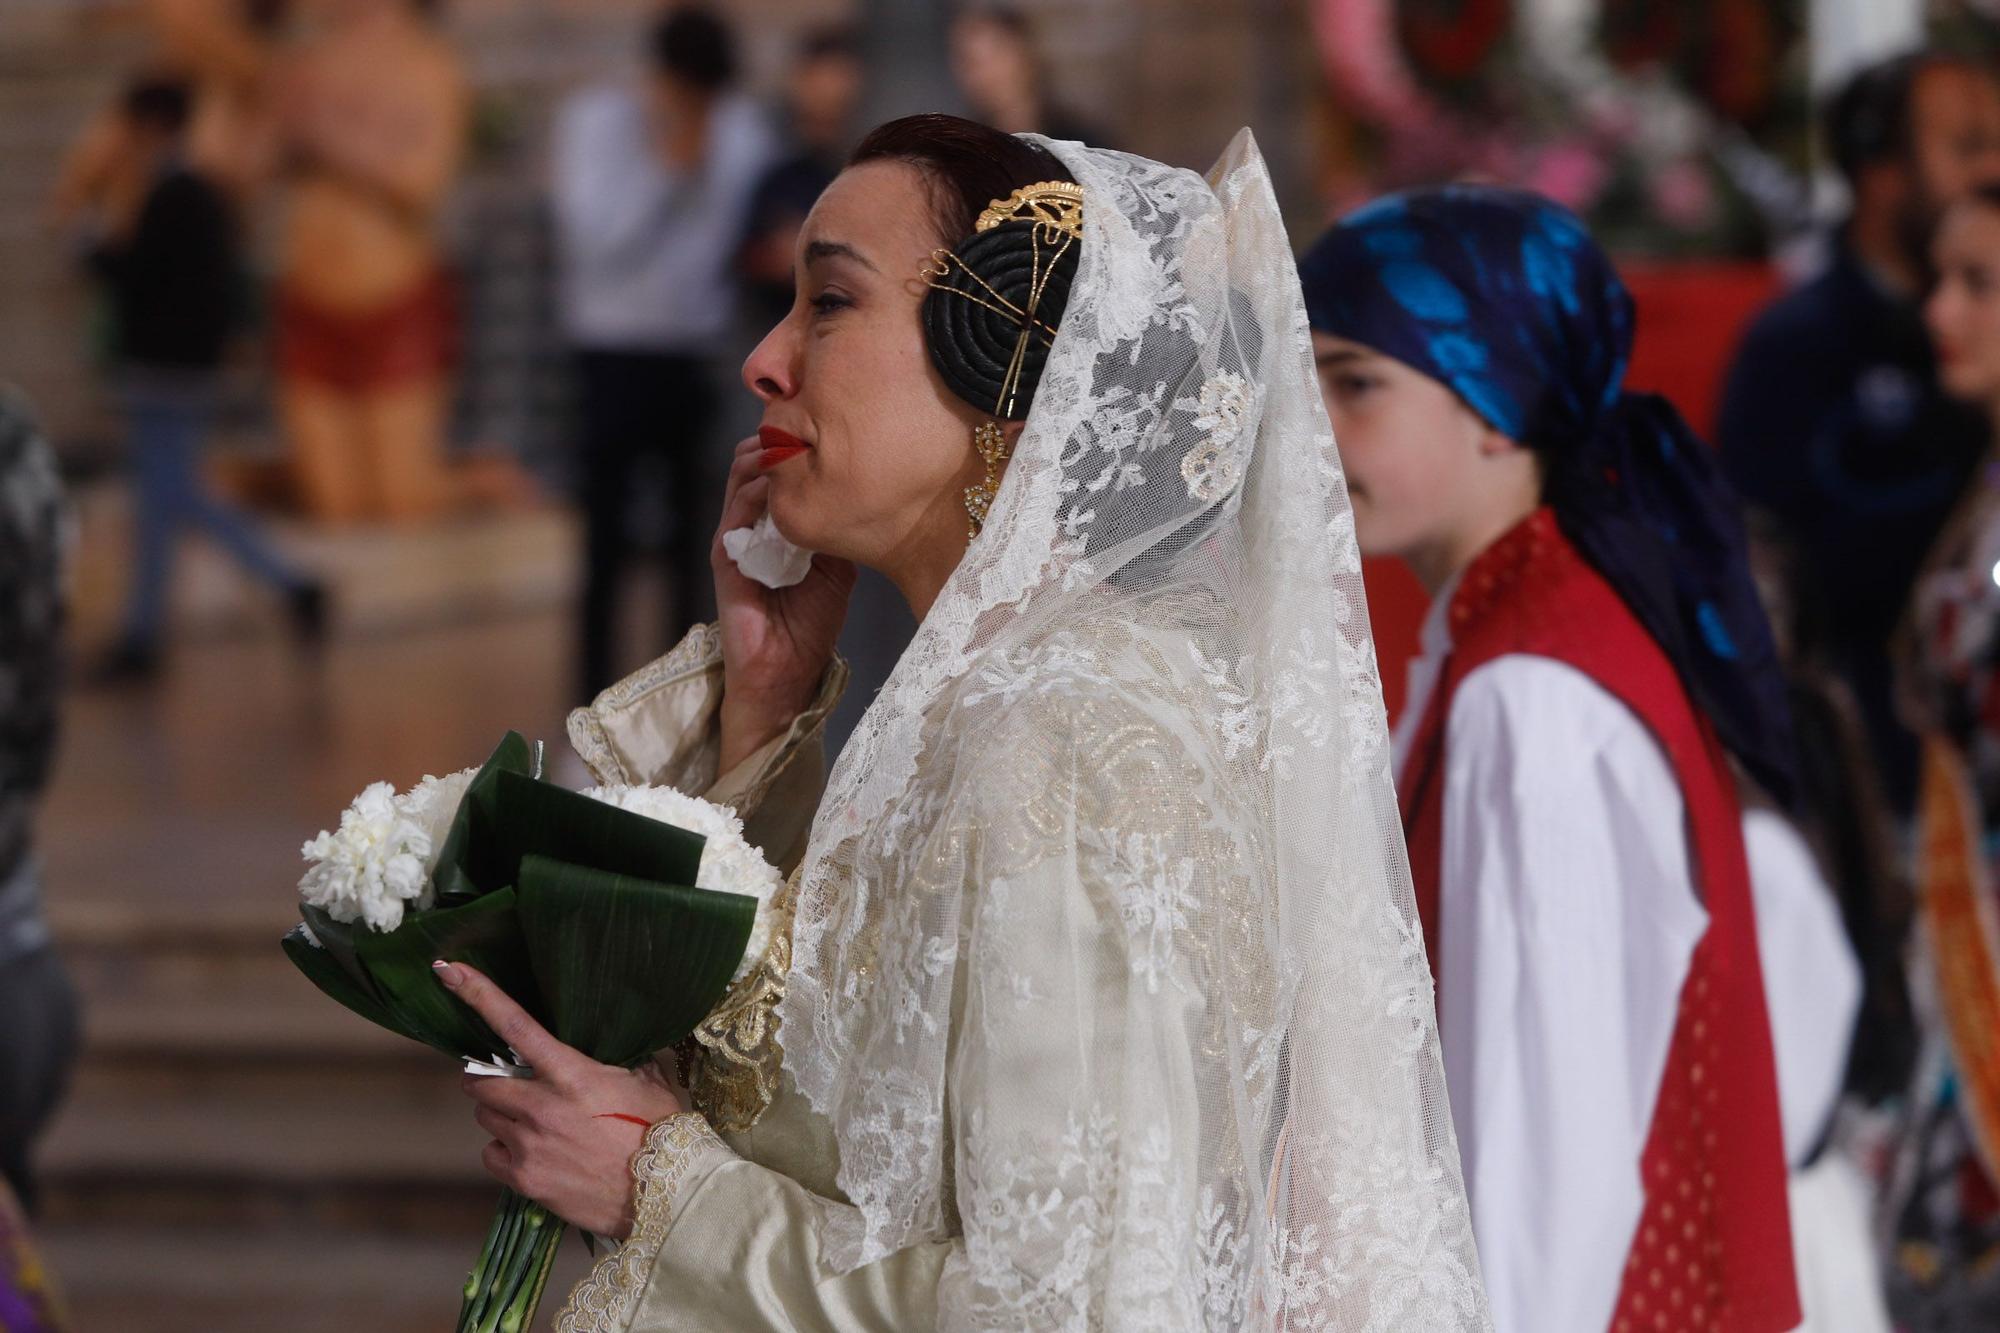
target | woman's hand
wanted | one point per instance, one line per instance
(564, 1138)
(776, 642)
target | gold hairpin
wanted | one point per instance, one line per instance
(1056, 205)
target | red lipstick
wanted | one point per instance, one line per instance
(779, 445)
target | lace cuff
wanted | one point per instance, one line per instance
(679, 1152)
(660, 725)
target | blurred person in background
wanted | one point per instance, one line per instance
(999, 69)
(1944, 1198)
(652, 183)
(173, 272)
(1831, 418)
(374, 110)
(1594, 666)
(38, 1034)
(822, 91)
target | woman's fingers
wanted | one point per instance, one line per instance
(514, 1025)
(498, 1160)
(494, 1123)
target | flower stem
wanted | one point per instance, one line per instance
(476, 1279)
(521, 1310)
(507, 1284)
(479, 1294)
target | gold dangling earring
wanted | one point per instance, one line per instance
(991, 443)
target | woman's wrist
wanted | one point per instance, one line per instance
(751, 719)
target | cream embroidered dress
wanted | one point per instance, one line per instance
(1103, 1005)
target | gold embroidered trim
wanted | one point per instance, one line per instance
(603, 1302)
(733, 1059)
(699, 651)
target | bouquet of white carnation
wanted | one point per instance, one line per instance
(618, 916)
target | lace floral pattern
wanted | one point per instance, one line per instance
(1114, 852)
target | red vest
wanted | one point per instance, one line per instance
(1713, 1250)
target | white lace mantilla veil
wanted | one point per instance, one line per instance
(1137, 749)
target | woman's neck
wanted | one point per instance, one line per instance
(924, 563)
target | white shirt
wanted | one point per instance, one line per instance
(1568, 918)
(647, 253)
(1812, 980)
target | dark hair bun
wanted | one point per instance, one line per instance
(973, 336)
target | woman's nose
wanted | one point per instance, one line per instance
(770, 370)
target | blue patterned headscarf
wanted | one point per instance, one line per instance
(1502, 296)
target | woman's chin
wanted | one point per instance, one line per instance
(793, 520)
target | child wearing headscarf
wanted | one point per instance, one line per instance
(1595, 660)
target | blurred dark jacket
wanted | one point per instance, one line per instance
(175, 283)
(1833, 423)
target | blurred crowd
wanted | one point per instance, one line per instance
(1858, 423)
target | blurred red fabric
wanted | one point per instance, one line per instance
(1691, 316)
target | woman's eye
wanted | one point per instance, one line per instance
(827, 302)
(1353, 386)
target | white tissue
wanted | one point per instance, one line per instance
(763, 554)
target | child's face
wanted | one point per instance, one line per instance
(1412, 449)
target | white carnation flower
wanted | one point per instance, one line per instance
(729, 864)
(378, 863)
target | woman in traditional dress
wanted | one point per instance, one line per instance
(1944, 1194)
(1103, 1003)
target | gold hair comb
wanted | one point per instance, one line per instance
(1057, 205)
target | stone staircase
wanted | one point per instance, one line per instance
(237, 1153)
(235, 1144)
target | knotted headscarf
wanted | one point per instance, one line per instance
(1503, 296)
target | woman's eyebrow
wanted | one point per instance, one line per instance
(818, 250)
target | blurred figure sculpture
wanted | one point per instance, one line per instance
(173, 273)
(822, 91)
(1945, 1195)
(998, 66)
(374, 110)
(652, 184)
(39, 1035)
(220, 49)
(1831, 418)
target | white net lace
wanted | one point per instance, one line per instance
(1106, 956)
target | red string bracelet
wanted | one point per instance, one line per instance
(628, 1119)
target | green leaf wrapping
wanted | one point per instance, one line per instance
(328, 973)
(461, 874)
(540, 818)
(485, 933)
(628, 966)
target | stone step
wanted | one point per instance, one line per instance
(210, 989)
(202, 1278)
(217, 1083)
(211, 1122)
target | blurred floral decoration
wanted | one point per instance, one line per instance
(1674, 127)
